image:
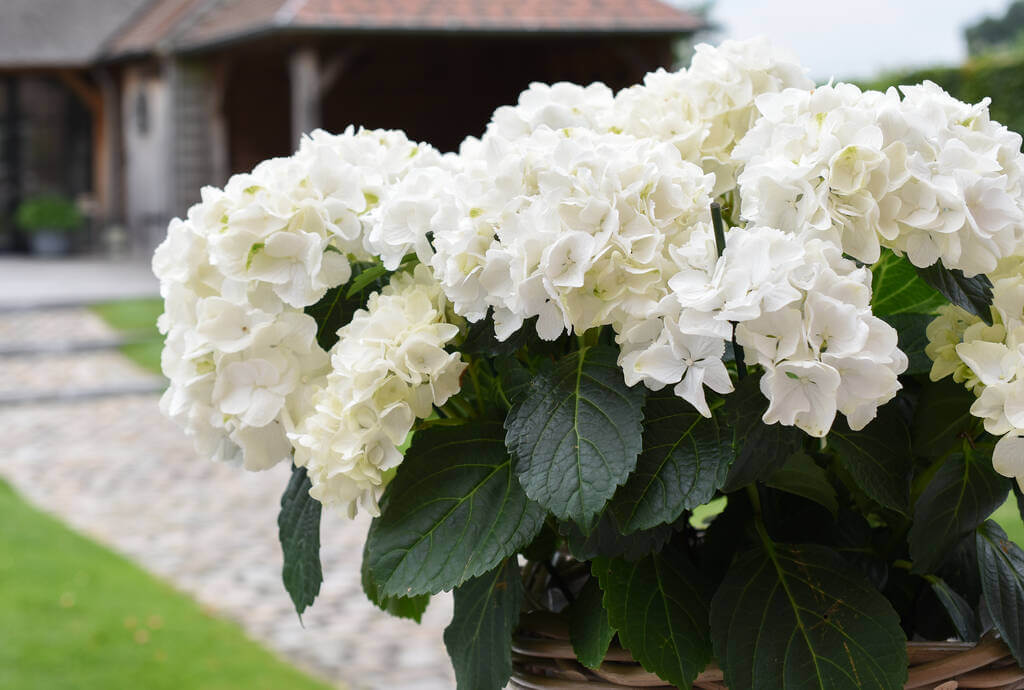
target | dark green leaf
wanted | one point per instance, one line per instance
(758, 448)
(1002, 581)
(336, 307)
(961, 495)
(912, 339)
(942, 416)
(729, 533)
(298, 526)
(589, 629)
(685, 459)
(400, 607)
(803, 477)
(479, 638)
(659, 606)
(365, 279)
(543, 545)
(513, 378)
(605, 538)
(480, 338)
(972, 294)
(576, 433)
(877, 457)
(961, 615)
(854, 539)
(897, 289)
(453, 511)
(797, 617)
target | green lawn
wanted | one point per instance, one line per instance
(74, 615)
(1009, 519)
(137, 318)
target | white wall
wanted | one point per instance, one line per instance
(148, 181)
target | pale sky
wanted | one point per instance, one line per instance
(857, 38)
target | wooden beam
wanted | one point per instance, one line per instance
(86, 92)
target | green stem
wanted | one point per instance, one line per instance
(462, 409)
(719, 226)
(755, 500)
(592, 337)
(903, 564)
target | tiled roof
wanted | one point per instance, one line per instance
(185, 24)
(58, 33)
(155, 26)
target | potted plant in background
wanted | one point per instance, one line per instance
(715, 381)
(51, 222)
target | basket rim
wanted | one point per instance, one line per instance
(541, 642)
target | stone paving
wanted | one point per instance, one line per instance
(32, 282)
(20, 329)
(117, 470)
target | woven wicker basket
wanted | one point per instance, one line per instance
(542, 658)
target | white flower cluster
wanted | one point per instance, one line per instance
(388, 368)
(238, 271)
(583, 208)
(803, 313)
(571, 226)
(706, 109)
(989, 360)
(928, 176)
(703, 110)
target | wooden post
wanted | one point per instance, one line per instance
(94, 100)
(220, 160)
(304, 73)
(107, 148)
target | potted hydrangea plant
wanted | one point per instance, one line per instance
(50, 220)
(714, 381)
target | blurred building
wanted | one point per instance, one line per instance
(136, 104)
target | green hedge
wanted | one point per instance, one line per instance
(1001, 78)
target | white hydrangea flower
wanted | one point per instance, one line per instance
(241, 355)
(570, 226)
(1008, 457)
(706, 109)
(238, 358)
(823, 351)
(554, 106)
(803, 313)
(989, 360)
(388, 368)
(927, 176)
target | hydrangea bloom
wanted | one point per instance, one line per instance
(570, 226)
(388, 368)
(825, 351)
(706, 109)
(928, 176)
(580, 209)
(237, 356)
(555, 106)
(238, 271)
(803, 313)
(989, 360)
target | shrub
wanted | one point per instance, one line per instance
(48, 212)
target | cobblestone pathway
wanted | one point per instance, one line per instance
(115, 469)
